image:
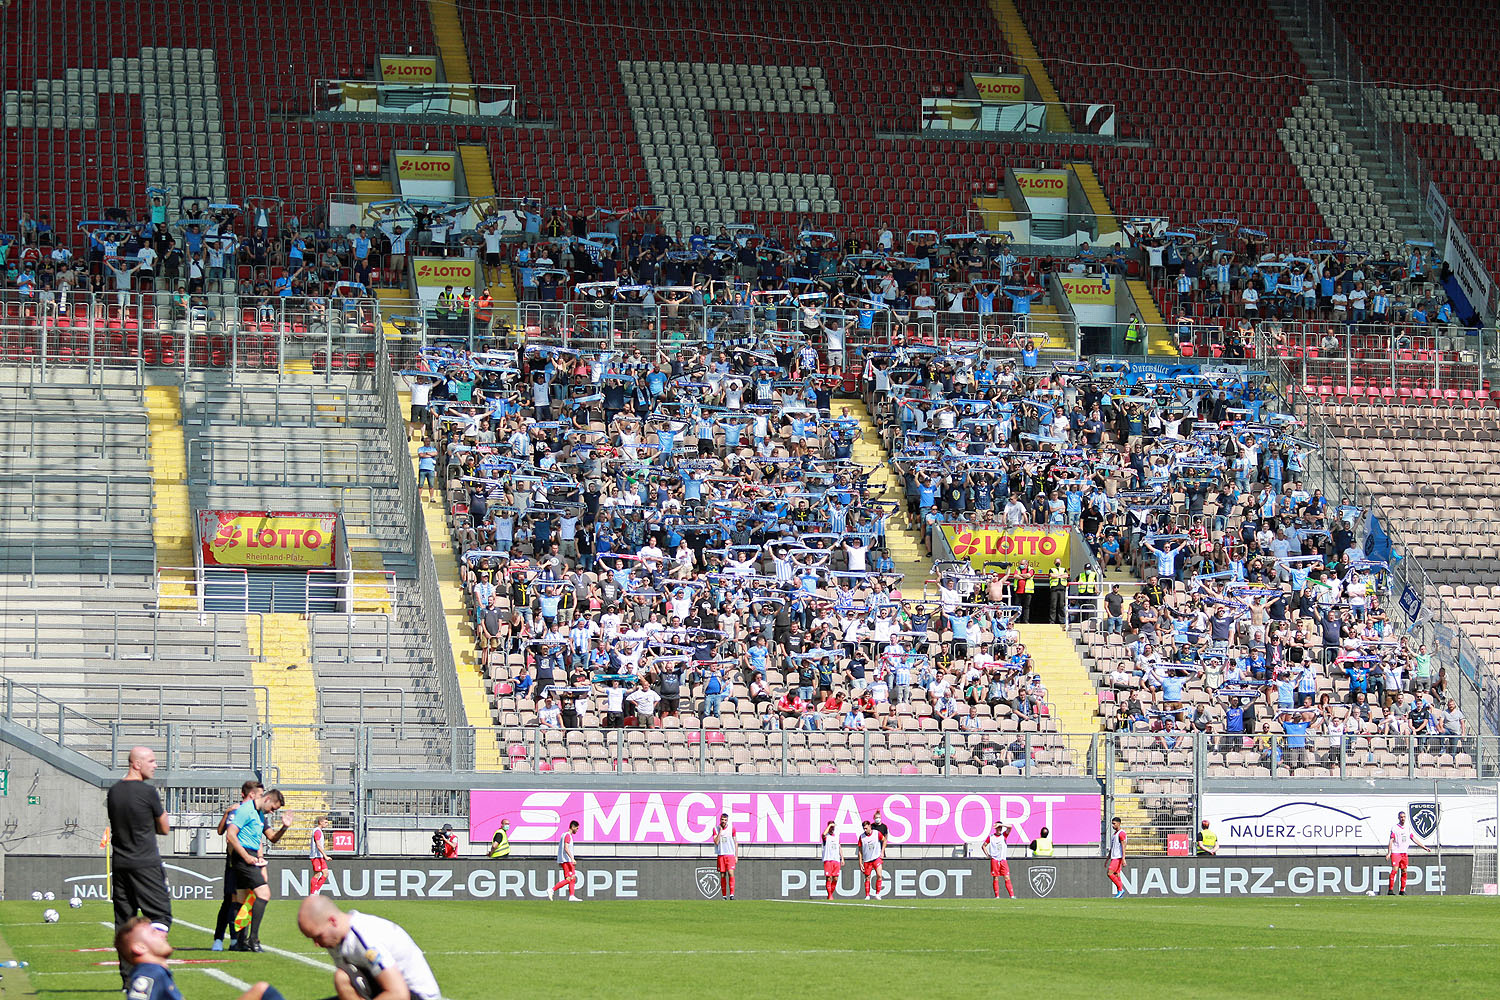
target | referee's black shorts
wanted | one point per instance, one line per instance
(246, 876)
(141, 890)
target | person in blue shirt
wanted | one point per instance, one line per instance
(1028, 354)
(246, 840)
(143, 949)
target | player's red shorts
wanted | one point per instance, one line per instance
(726, 863)
(320, 864)
(869, 866)
(831, 869)
(568, 867)
(1115, 865)
(1398, 861)
(999, 869)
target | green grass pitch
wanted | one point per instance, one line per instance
(1413, 946)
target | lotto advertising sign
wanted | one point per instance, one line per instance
(777, 818)
(1088, 290)
(409, 69)
(425, 166)
(987, 548)
(997, 89)
(436, 272)
(427, 175)
(1358, 821)
(1043, 183)
(267, 538)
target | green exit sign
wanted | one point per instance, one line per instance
(4, 782)
(33, 800)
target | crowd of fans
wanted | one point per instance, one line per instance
(644, 537)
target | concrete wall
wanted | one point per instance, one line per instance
(68, 817)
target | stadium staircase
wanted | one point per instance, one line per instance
(1019, 40)
(172, 521)
(1070, 689)
(1158, 339)
(480, 180)
(461, 639)
(907, 545)
(449, 33)
(282, 664)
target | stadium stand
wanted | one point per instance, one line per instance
(1236, 98)
(1442, 97)
(850, 387)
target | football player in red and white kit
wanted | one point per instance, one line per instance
(871, 857)
(317, 853)
(1116, 856)
(994, 846)
(727, 850)
(568, 862)
(1399, 844)
(833, 858)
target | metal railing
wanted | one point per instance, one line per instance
(117, 634)
(414, 516)
(40, 707)
(224, 461)
(1331, 471)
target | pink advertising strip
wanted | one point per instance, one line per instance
(798, 817)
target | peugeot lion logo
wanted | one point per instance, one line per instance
(1424, 817)
(1042, 878)
(708, 882)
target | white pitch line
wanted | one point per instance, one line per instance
(226, 978)
(294, 956)
(947, 951)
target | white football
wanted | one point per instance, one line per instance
(74, 903)
(49, 896)
(1370, 893)
(37, 895)
(50, 916)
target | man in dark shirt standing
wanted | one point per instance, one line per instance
(136, 819)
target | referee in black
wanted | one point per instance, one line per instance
(136, 819)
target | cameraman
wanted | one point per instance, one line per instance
(445, 842)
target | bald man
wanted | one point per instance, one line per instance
(136, 819)
(144, 950)
(374, 958)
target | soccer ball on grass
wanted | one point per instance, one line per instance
(50, 916)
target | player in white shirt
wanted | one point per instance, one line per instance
(1116, 856)
(317, 854)
(871, 855)
(726, 851)
(372, 956)
(568, 862)
(833, 858)
(1399, 843)
(995, 848)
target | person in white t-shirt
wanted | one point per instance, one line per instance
(373, 957)
(726, 853)
(995, 849)
(833, 858)
(1399, 844)
(568, 862)
(871, 856)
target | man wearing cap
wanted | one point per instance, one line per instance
(1208, 841)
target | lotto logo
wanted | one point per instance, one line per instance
(425, 166)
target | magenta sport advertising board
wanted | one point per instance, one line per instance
(780, 817)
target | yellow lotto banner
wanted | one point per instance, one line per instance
(425, 166)
(987, 549)
(1043, 183)
(267, 538)
(997, 89)
(1087, 290)
(409, 69)
(435, 272)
